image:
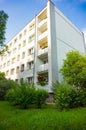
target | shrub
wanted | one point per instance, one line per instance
(41, 96)
(65, 96)
(22, 95)
(25, 95)
(5, 85)
(13, 95)
(82, 97)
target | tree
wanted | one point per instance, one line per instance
(2, 76)
(3, 20)
(74, 69)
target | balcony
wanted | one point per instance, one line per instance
(32, 31)
(42, 35)
(43, 52)
(42, 79)
(42, 22)
(43, 67)
(31, 43)
(31, 40)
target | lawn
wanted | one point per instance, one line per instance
(12, 118)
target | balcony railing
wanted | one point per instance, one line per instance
(43, 67)
(43, 35)
(42, 51)
(42, 22)
(32, 40)
(32, 31)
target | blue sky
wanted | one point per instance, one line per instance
(22, 11)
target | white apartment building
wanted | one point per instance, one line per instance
(36, 53)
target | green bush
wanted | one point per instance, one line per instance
(25, 95)
(41, 96)
(65, 96)
(12, 95)
(22, 95)
(82, 97)
(5, 85)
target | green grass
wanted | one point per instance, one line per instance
(12, 118)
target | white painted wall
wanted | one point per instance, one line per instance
(65, 36)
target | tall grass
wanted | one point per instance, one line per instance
(49, 118)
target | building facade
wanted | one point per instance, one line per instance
(36, 53)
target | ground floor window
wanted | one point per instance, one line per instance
(30, 79)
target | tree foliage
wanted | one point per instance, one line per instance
(74, 69)
(5, 85)
(3, 20)
(2, 76)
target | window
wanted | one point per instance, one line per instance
(7, 72)
(15, 40)
(14, 50)
(20, 36)
(4, 65)
(12, 71)
(25, 32)
(23, 55)
(19, 46)
(9, 53)
(30, 79)
(30, 51)
(18, 57)
(5, 56)
(30, 65)
(8, 63)
(10, 44)
(17, 69)
(13, 60)
(31, 38)
(24, 43)
(22, 67)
